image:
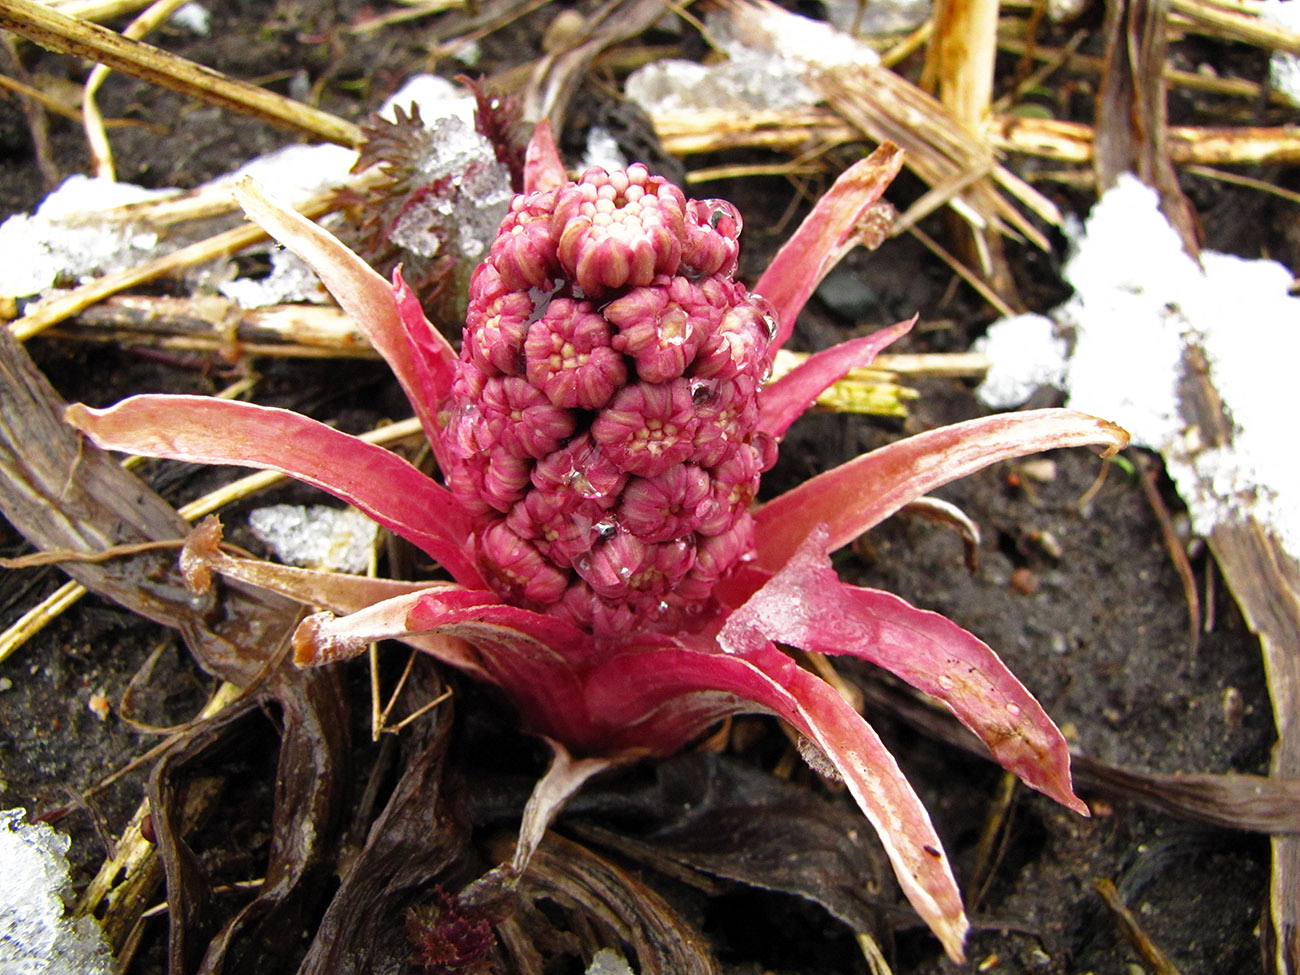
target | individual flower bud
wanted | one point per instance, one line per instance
(569, 358)
(495, 324)
(728, 412)
(714, 556)
(618, 229)
(739, 475)
(712, 238)
(662, 325)
(524, 251)
(505, 478)
(740, 342)
(580, 471)
(667, 506)
(648, 427)
(623, 565)
(515, 568)
(518, 417)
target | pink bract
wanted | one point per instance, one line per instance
(602, 433)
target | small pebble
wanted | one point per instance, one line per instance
(1024, 582)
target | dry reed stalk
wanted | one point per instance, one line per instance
(1190, 80)
(1238, 22)
(1188, 145)
(960, 59)
(71, 35)
(693, 133)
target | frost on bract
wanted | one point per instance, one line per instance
(37, 937)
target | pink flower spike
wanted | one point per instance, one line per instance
(817, 245)
(206, 430)
(789, 397)
(416, 351)
(805, 605)
(907, 469)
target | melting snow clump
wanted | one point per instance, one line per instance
(318, 537)
(608, 962)
(1025, 352)
(1142, 310)
(36, 935)
(72, 235)
(193, 17)
(1284, 69)
(878, 16)
(770, 59)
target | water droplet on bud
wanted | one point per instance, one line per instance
(702, 390)
(771, 320)
(724, 218)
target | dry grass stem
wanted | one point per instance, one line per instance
(1154, 960)
(1190, 80)
(71, 35)
(1223, 21)
(98, 10)
(214, 324)
(100, 149)
(55, 310)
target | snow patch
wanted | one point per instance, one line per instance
(37, 937)
(771, 56)
(318, 537)
(1141, 308)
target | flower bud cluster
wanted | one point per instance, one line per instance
(603, 422)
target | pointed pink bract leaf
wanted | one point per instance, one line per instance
(536, 659)
(433, 367)
(805, 605)
(414, 349)
(206, 430)
(818, 244)
(543, 168)
(654, 687)
(789, 397)
(520, 651)
(853, 497)
(342, 593)
(324, 638)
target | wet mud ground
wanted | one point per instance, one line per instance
(1080, 599)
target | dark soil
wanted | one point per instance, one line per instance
(1082, 601)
